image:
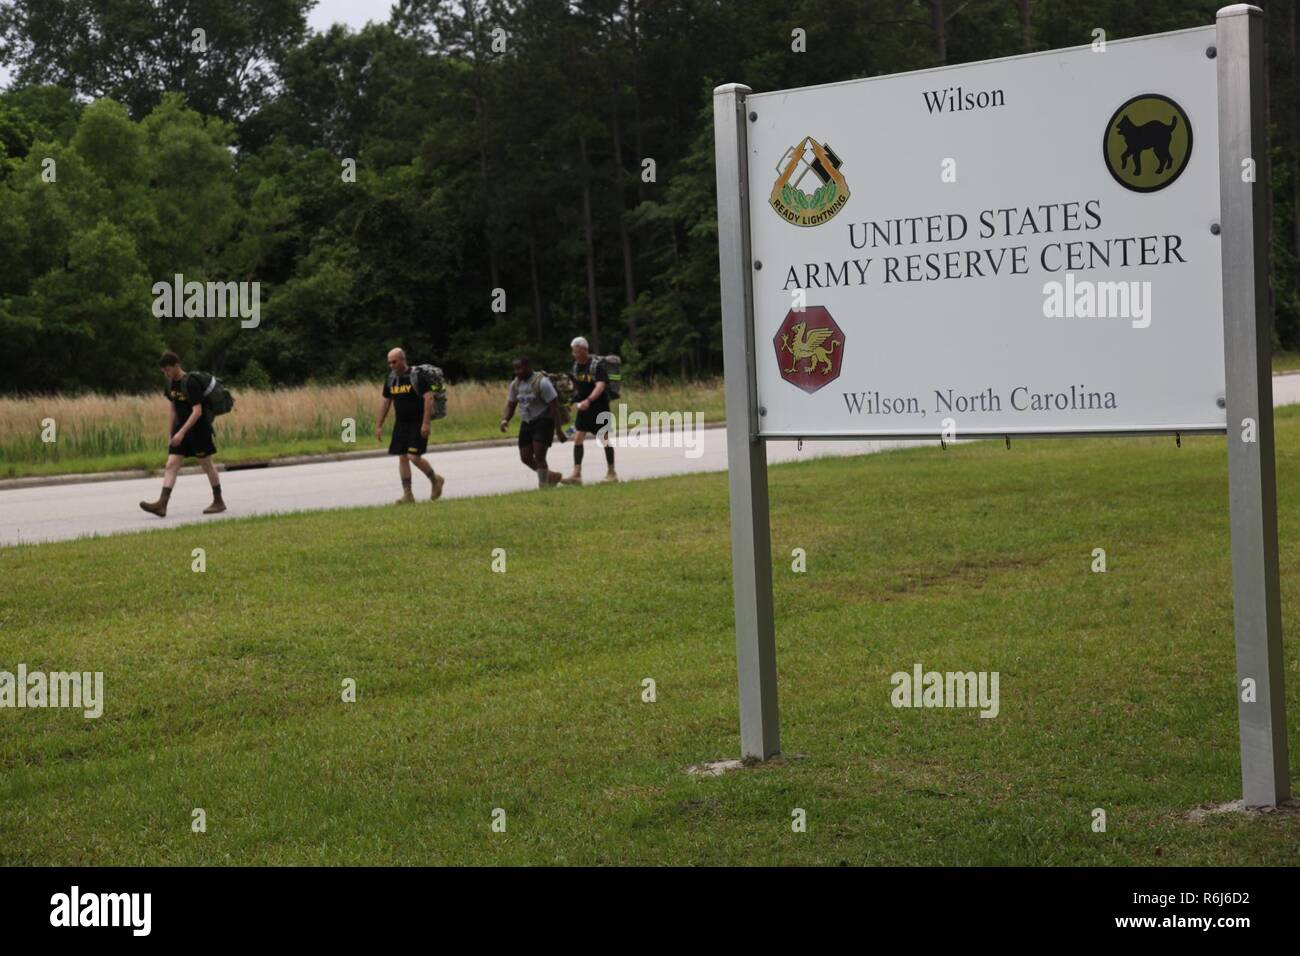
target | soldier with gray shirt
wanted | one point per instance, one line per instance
(539, 414)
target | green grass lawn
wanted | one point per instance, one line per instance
(522, 690)
(1286, 362)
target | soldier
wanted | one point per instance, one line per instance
(191, 433)
(539, 413)
(414, 400)
(592, 400)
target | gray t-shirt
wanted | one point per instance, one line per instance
(532, 406)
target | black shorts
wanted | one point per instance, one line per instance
(407, 439)
(590, 421)
(540, 431)
(197, 442)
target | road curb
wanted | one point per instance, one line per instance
(42, 481)
(39, 481)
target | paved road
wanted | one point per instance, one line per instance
(60, 512)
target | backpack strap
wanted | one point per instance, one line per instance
(212, 381)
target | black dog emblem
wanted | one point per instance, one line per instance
(1154, 136)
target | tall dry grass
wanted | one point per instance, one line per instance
(111, 426)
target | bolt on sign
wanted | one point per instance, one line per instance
(1070, 242)
(1022, 246)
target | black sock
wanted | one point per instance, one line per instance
(216, 492)
(406, 483)
(609, 455)
(167, 493)
(577, 454)
(432, 476)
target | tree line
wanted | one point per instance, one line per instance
(380, 184)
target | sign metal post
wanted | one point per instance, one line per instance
(1247, 341)
(751, 544)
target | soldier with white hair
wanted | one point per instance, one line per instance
(591, 398)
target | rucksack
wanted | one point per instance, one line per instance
(432, 376)
(564, 389)
(614, 369)
(217, 399)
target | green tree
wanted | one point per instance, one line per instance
(127, 204)
(134, 51)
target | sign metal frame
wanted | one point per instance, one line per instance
(1247, 335)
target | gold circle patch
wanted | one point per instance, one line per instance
(1147, 143)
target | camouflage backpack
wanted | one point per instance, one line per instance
(564, 389)
(614, 369)
(431, 376)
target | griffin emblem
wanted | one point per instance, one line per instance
(809, 344)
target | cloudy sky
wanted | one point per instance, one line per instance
(355, 13)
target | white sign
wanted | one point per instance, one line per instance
(1018, 246)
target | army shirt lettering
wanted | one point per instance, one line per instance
(408, 402)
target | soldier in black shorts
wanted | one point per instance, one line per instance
(414, 401)
(592, 382)
(539, 410)
(191, 433)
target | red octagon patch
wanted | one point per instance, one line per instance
(809, 348)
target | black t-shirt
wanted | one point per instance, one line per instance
(584, 380)
(184, 395)
(408, 404)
